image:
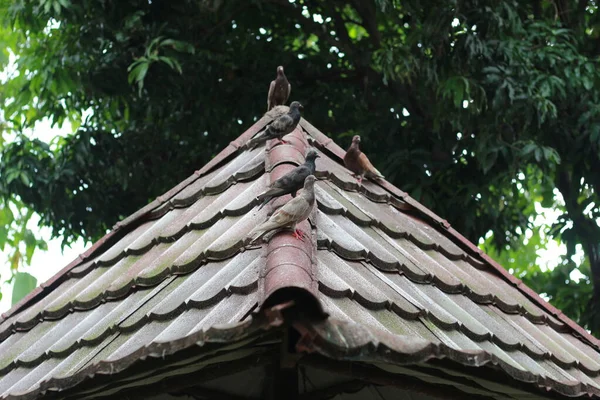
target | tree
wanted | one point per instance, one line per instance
(488, 106)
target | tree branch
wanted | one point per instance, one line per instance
(537, 9)
(367, 11)
(587, 232)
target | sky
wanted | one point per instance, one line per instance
(44, 264)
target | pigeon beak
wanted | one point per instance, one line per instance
(301, 107)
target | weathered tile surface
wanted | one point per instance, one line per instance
(398, 288)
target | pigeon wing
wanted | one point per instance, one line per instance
(289, 215)
(270, 95)
(289, 183)
(352, 161)
(369, 169)
(281, 125)
(294, 211)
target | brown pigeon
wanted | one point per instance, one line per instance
(280, 127)
(357, 162)
(279, 90)
(292, 181)
(294, 211)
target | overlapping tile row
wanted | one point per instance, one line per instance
(364, 340)
(388, 272)
(194, 294)
(170, 275)
(220, 292)
(422, 322)
(179, 274)
(176, 241)
(393, 240)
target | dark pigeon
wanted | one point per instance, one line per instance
(280, 127)
(292, 181)
(279, 90)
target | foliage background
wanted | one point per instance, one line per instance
(481, 109)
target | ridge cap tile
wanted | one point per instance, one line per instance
(289, 262)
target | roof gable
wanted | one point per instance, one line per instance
(399, 285)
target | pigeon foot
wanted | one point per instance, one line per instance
(298, 234)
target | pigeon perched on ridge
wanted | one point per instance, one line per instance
(279, 90)
(292, 181)
(280, 127)
(357, 162)
(294, 211)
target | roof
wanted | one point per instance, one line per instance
(399, 285)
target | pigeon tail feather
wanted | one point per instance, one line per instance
(263, 229)
(265, 200)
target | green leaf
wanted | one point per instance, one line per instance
(171, 62)
(25, 179)
(3, 237)
(489, 161)
(23, 284)
(42, 245)
(6, 216)
(138, 72)
(15, 259)
(528, 148)
(30, 245)
(178, 45)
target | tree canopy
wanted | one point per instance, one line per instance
(479, 109)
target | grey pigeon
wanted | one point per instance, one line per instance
(357, 162)
(294, 211)
(292, 181)
(280, 127)
(279, 90)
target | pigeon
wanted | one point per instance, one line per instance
(294, 211)
(280, 127)
(357, 162)
(292, 181)
(279, 90)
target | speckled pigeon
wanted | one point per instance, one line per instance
(294, 211)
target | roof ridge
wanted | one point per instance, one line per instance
(282, 280)
(140, 215)
(327, 143)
